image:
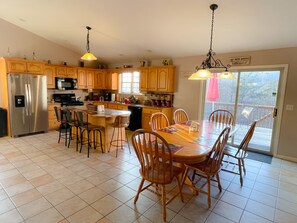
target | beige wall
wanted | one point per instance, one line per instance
(188, 93)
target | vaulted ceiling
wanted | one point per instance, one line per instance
(131, 30)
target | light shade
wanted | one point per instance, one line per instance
(88, 56)
(226, 75)
(201, 74)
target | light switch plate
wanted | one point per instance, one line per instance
(289, 107)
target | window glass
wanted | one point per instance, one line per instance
(129, 82)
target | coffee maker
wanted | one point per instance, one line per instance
(107, 96)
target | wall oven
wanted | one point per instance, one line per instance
(66, 83)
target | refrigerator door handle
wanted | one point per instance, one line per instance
(30, 100)
(27, 99)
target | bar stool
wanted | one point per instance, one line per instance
(70, 119)
(120, 123)
(63, 128)
(89, 128)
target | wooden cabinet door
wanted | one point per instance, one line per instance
(143, 79)
(35, 68)
(90, 79)
(152, 77)
(71, 72)
(163, 78)
(99, 79)
(61, 72)
(82, 78)
(111, 80)
(16, 66)
(145, 121)
(49, 71)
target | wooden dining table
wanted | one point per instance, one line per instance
(190, 147)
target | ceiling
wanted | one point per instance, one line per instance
(132, 30)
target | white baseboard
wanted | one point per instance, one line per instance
(293, 159)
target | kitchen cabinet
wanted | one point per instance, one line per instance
(117, 106)
(85, 78)
(24, 66)
(111, 79)
(157, 79)
(50, 72)
(147, 113)
(99, 79)
(63, 71)
(90, 79)
(52, 120)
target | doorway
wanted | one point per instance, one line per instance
(254, 94)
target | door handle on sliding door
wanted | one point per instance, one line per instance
(274, 112)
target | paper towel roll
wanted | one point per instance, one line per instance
(112, 97)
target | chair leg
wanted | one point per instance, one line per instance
(111, 140)
(208, 191)
(243, 166)
(193, 176)
(88, 144)
(70, 136)
(76, 138)
(94, 138)
(118, 131)
(66, 134)
(240, 172)
(180, 188)
(60, 129)
(164, 202)
(101, 141)
(139, 190)
(219, 182)
(127, 141)
(81, 139)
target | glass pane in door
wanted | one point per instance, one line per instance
(220, 94)
(256, 100)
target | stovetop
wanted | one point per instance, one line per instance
(72, 103)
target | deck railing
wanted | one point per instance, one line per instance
(246, 113)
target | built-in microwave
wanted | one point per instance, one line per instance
(66, 83)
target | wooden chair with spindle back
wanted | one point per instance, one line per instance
(211, 166)
(221, 116)
(239, 153)
(158, 121)
(156, 164)
(180, 116)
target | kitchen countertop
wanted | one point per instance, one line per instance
(135, 105)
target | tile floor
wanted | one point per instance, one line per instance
(43, 181)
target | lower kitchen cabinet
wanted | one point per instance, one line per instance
(147, 113)
(52, 120)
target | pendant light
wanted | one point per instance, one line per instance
(203, 71)
(88, 55)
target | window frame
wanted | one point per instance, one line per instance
(121, 77)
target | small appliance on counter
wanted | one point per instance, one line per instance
(107, 96)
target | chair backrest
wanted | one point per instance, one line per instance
(221, 116)
(158, 121)
(68, 116)
(213, 164)
(81, 118)
(247, 138)
(154, 155)
(58, 113)
(180, 116)
(121, 121)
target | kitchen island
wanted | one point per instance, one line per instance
(104, 119)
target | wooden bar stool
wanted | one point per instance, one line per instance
(63, 128)
(120, 123)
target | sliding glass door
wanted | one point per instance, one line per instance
(252, 95)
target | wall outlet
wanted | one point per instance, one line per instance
(289, 107)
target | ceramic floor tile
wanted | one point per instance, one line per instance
(34, 207)
(281, 217)
(248, 217)
(19, 188)
(228, 211)
(59, 196)
(98, 179)
(155, 214)
(50, 187)
(17, 179)
(92, 195)
(3, 194)
(106, 205)
(6, 205)
(87, 214)
(234, 199)
(287, 206)
(263, 198)
(11, 216)
(71, 206)
(261, 210)
(42, 180)
(123, 194)
(110, 185)
(80, 186)
(49, 216)
(214, 218)
(123, 214)
(26, 197)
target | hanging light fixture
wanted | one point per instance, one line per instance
(203, 71)
(88, 55)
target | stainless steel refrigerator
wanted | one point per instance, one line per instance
(28, 104)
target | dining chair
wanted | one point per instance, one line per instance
(158, 121)
(63, 127)
(85, 126)
(239, 153)
(156, 165)
(180, 116)
(70, 119)
(211, 166)
(221, 116)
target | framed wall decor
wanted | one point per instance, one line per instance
(246, 60)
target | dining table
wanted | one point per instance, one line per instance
(189, 146)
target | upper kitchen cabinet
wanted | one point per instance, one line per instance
(70, 72)
(85, 78)
(112, 79)
(24, 66)
(157, 79)
(50, 72)
(99, 79)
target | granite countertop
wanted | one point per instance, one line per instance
(135, 105)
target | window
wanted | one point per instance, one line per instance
(129, 82)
